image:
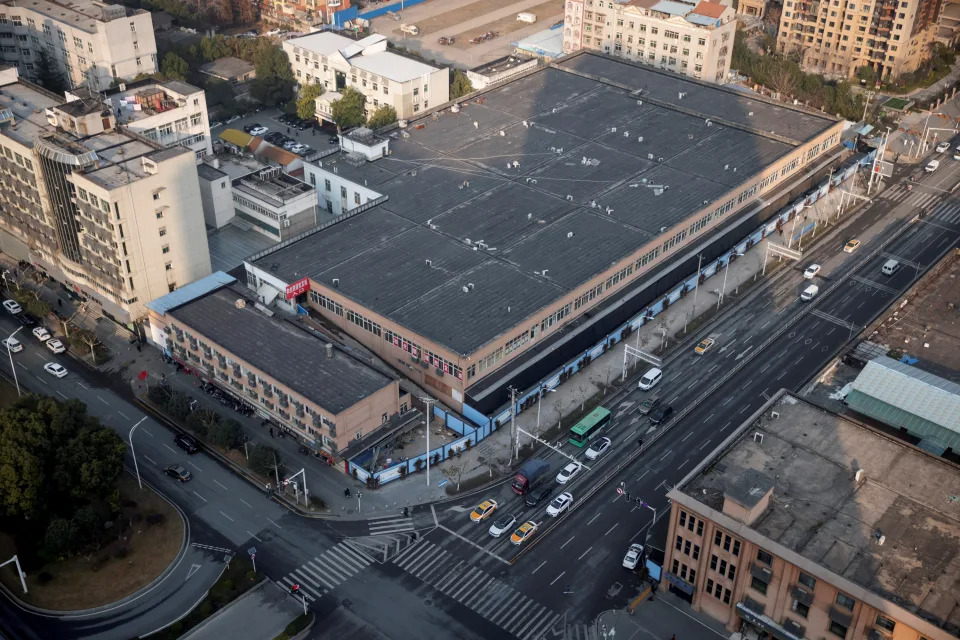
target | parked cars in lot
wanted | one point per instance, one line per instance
(41, 334)
(598, 448)
(661, 414)
(255, 129)
(232, 119)
(289, 144)
(634, 553)
(56, 346)
(12, 307)
(705, 345)
(569, 472)
(178, 472)
(502, 524)
(13, 345)
(851, 246)
(276, 138)
(560, 504)
(55, 369)
(811, 271)
(484, 510)
(524, 532)
(187, 443)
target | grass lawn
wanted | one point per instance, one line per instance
(103, 577)
(896, 103)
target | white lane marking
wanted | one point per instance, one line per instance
(585, 553)
(169, 447)
(221, 486)
(765, 325)
(147, 431)
(62, 395)
(226, 516)
(254, 537)
(615, 525)
(643, 474)
(557, 578)
(194, 466)
(123, 414)
(681, 464)
(669, 451)
(727, 401)
(691, 432)
(274, 523)
(147, 458)
(246, 503)
(199, 496)
(695, 383)
(703, 445)
(103, 401)
(724, 427)
(538, 567)
(595, 517)
(568, 541)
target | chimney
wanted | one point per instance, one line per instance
(329, 350)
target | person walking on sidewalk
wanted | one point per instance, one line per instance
(271, 432)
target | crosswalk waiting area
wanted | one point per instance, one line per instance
(322, 574)
(488, 597)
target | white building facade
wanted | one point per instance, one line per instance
(91, 42)
(385, 78)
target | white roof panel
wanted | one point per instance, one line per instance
(910, 389)
(383, 63)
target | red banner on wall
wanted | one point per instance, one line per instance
(298, 287)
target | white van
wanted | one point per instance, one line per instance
(650, 379)
(890, 267)
(810, 293)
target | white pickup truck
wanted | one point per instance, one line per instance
(410, 29)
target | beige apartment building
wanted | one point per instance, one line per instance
(113, 215)
(695, 39)
(384, 77)
(806, 524)
(91, 42)
(836, 37)
(323, 394)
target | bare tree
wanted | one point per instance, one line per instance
(784, 82)
(558, 407)
(454, 472)
(582, 393)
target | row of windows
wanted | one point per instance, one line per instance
(443, 364)
(516, 343)
(646, 258)
(619, 276)
(690, 522)
(489, 361)
(718, 591)
(721, 539)
(674, 241)
(326, 303)
(555, 317)
(19, 159)
(724, 568)
(249, 204)
(588, 296)
(684, 572)
(746, 194)
(364, 323)
(687, 548)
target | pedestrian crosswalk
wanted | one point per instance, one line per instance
(494, 600)
(948, 212)
(390, 524)
(916, 197)
(324, 573)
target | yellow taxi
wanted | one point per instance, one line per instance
(851, 246)
(705, 345)
(482, 512)
(526, 530)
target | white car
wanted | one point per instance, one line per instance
(12, 306)
(569, 472)
(258, 131)
(55, 369)
(632, 559)
(560, 504)
(56, 346)
(502, 524)
(598, 448)
(943, 146)
(811, 271)
(41, 334)
(13, 345)
(932, 166)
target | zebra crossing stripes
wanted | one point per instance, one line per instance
(390, 524)
(323, 574)
(919, 198)
(947, 212)
(489, 597)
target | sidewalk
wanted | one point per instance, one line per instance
(659, 619)
(266, 610)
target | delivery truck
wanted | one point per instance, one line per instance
(530, 475)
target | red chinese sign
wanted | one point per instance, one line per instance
(298, 287)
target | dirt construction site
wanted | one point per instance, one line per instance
(464, 21)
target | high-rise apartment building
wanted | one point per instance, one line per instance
(91, 42)
(695, 39)
(112, 214)
(836, 37)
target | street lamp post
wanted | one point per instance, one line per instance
(696, 289)
(134, 453)
(426, 401)
(539, 399)
(726, 269)
(13, 368)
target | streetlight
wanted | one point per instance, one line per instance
(726, 270)
(696, 289)
(134, 453)
(539, 398)
(10, 353)
(426, 401)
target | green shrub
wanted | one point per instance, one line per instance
(299, 624)
(205, 608)
(225, 433)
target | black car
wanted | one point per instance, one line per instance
(536, 497)
(26, 320)
(302, 125)
(275, 138)
(186, 443)
(178, 472)
(661, 414)
(334, 139)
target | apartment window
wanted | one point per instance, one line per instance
(800, 609)
(759, 585)
(138, 62)
(165, 249)
(885, 623)
(679, 544)
(159, 214)
(838, 629)
(163, 231)
(683, 518)
(713, 562)
(133, 27)
(764, 557)
(326, 184)
(168, 266)
(845, 601)
(416, 106)
(702, 42)
(343, 192)
(696, 552)
(807, 581)
(17, 21)
(356, 198)
(196, 119)
(736, 547)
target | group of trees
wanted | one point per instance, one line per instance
(204, 423)
(58, 466)
(205, 13)
(783, 74)
(349, 111)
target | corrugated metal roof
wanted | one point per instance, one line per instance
(930, 433)
(705, 21)
(189, 292)
(913, 390)
(235, 136)
(673, 8)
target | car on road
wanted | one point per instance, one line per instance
(811, 271)
(56, 346)
(186, 443)
(535, 498)
(12, 307)
(55, 369)
(178, 472)
(809, 293)
(41, 334)
(569, 472)
(648, 405)
(943, 146)
(26, 320)
(705, 345)
(484, 510)
(560, 504)
(524, 532)
(598, 448)
(502, 524)
(13, 345)
(932, 166)
(851, 246)
(661, 414)
(634, 553)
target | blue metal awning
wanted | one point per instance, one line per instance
(866, 129)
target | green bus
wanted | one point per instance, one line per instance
(591, 425)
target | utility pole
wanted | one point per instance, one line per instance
(134, 453)
(426, 401)
(696, 289)
(10, 353)
(513, 425)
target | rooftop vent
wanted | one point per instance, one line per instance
(569, 234)
(860, 475)
(336, 282)
(429, 263)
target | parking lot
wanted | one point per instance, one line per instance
(314, 137)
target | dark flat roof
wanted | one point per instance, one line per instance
(283, 351)
(518, 169)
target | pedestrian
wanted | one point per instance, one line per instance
(271, 432)
(59, 302)
(673, 637)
